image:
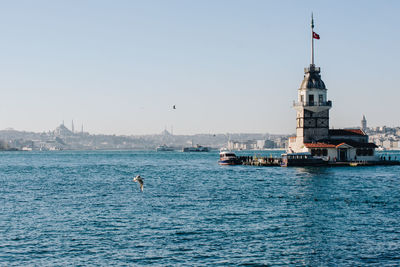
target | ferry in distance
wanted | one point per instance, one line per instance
(164, 147)
(228, 158)
(196, 148)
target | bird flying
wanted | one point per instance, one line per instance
(173, 107)
(140, 181)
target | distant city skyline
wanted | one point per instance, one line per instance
(227, 66)
(169, 130)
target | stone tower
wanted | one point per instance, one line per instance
(312, 105)
(364, 124)
(312, 108)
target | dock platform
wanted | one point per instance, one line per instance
(276, 162)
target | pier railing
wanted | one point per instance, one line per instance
(312, 103)
(260, 161)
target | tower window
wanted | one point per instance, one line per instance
(311, 99)
(302, 98)
(321, 98)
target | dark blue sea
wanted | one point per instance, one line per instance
(83, 209)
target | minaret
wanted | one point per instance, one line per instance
(313, 105)
(72, 127)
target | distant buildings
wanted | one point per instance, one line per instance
(242, 145)
(260, 144)
(62, 138)
(386, 138)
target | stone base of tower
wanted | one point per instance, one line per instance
(296, 145)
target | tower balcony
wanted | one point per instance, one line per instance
(313, 106)
(312, 68)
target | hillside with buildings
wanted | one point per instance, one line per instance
(63, 138)
(386, 138)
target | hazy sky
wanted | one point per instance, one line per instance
(228, 66)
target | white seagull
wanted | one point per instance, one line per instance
(140, 181)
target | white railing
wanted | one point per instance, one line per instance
(311, 103)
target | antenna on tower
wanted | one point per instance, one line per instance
(312, 39)
(314, 35)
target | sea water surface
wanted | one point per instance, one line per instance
(82, 208)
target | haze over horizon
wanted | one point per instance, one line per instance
(228, 66)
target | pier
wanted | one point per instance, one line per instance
(277, 161)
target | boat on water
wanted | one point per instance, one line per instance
(228, 158)
(301, 160)
(196, 148)
(162, 148)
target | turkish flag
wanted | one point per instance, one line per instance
(315, 35)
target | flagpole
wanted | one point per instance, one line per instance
(312, 39)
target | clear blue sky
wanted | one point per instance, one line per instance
(228, 66)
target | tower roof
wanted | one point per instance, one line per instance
(347, 132)
(312, 78)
